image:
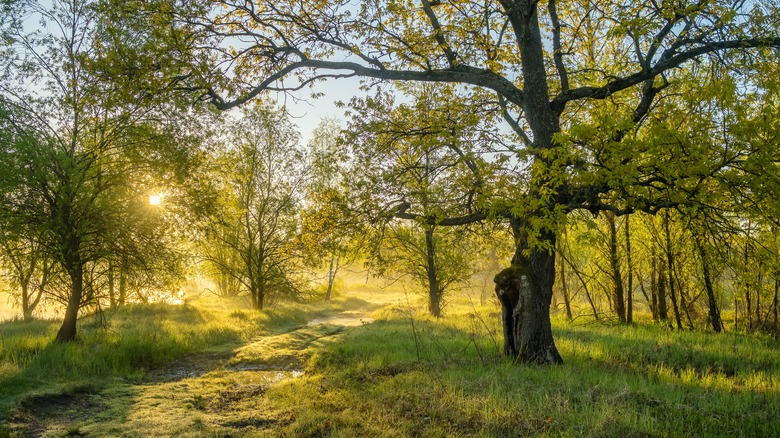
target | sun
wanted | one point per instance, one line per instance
(155, 199)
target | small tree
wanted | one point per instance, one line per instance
(436, 260)
(418, 162)
(261, 178)
(330, 233)
(28, 268)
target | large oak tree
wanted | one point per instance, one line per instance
(575, 80)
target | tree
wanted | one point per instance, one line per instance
(413, 161)
(28, 269)
(330, 234)
(576, 82)
(77, 173)
(262, 180)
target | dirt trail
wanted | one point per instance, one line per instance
(220, 393)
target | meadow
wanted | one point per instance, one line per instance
(372, 364)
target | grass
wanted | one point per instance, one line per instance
(403, 374)
(128, 343)
(443, 378)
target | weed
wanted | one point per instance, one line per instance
(73, 431)
(404, 374)
(199, 402)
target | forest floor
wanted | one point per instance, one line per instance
(372, 364)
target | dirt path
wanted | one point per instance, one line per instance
(220, 393)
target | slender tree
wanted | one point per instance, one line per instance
(251, 236)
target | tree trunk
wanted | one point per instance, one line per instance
(525, 288)
(565, 289)
(256, 294)
(330, 280)
(759, 289)
(618, 298)
(653, 301)
(111, 286)
(26, 309)
(122, 283)
(683, 295)
(670, 271)
(525, 292)
(630, 291)
(68, 329)
(434, 291)
(749, 311)
(584, 284)
(331, 276)
(774, 302)
(663, 313)
(714, 314)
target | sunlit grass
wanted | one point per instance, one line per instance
(401, 374)
(128, 342)
(411, 375)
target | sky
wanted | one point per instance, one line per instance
(307, 112)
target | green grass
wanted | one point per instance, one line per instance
(128, 342)
(444, 378)
(403, 374)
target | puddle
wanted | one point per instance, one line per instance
(266, 373)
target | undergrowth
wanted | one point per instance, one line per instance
(404, 374)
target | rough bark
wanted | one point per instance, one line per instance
(525, 292)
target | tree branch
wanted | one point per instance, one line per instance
(459, 74)
(668, 60)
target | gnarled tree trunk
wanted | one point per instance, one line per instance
(525, 292)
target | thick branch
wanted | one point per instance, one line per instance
(563, 75)
(446, 222)
(459, 74)
(668, 61)
(438, 33)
